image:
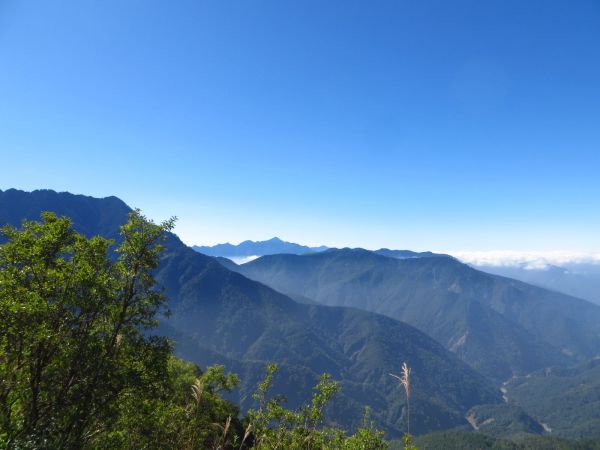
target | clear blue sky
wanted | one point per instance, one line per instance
(444, 125)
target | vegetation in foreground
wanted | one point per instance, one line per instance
(450, 440)
(79, 367)
(218, 317)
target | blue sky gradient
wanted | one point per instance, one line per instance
(462, 125)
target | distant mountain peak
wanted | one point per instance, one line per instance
(276, 245)
(248, 248)
(403, 254)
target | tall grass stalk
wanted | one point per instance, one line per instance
(405, 382)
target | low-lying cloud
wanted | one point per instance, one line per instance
(243, 259)
(526, 260)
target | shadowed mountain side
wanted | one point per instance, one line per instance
(91, 216)
(496, 324)
(227, 263)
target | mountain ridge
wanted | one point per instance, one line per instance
(276, 245)
(452, 302)
(581, 280)
(256, 248)
(220, 316)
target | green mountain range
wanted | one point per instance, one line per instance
(565, 400)
(220, 316)
(501, 327)
(337, 311)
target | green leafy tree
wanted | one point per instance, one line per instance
(189, 413)
(74, 329)
(79, 367)
(272, 426)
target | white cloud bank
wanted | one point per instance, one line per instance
(526, 260)
(242, 259)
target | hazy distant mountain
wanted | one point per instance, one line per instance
(402, 254)
(220, 316)
(577, 279)
(258, 248)
(498, 325)
(276, 246)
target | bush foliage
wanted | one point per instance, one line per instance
(80, 368)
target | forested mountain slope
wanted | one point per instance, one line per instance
(498, 325)
(219, 316)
